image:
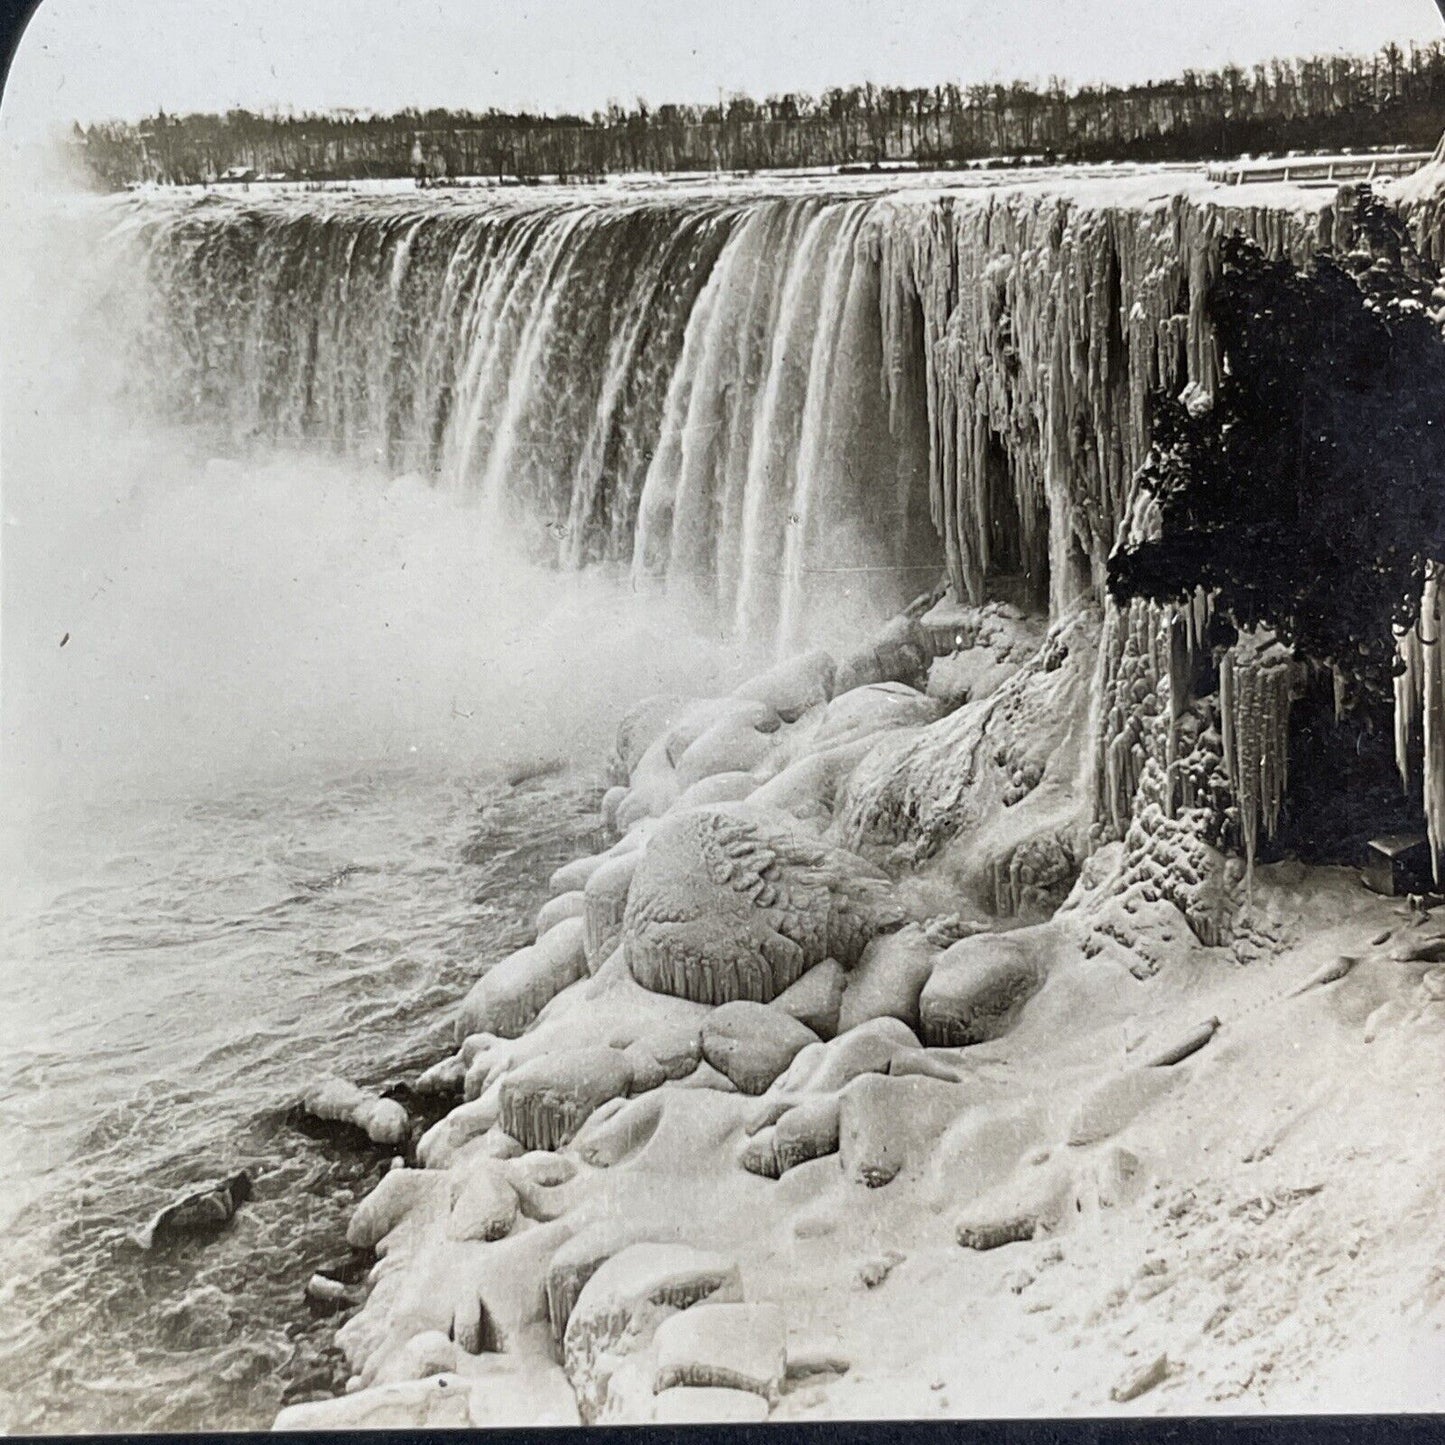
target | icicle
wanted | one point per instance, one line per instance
(1247, 741)
(1181, 668)
(1226, 717)
(1408, 687)
(1420, 698)
(1197, 614)
(1256, 682)
(1433, 707)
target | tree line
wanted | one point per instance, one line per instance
(1394, 97)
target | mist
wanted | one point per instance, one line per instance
(178, 620)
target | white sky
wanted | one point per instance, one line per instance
(92, 59)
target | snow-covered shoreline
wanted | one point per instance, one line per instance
(874, 1185)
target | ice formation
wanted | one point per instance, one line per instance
(1256, 680)
(1420, 704)
(725, 906)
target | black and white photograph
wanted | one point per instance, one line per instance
(721, 713)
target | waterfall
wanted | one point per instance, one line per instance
(796, 407)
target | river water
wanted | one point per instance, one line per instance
(167, 1004)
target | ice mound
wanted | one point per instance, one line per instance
(725, 906)
(545, 1101)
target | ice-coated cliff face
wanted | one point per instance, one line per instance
(1048, 318)
(765, 396)
(1420, 710)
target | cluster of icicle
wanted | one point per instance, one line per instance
(1134, 653)
(1147, 659)
(1047, 321)
(1256, 681)
(1420, 706)
(1188, 627)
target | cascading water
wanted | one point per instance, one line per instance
(694, 388)
(771, 401)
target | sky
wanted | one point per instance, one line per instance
(96, 59)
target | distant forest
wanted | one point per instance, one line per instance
(1393, 98)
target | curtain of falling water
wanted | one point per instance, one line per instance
(695, 386)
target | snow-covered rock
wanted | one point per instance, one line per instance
(546, 1100)
(513, 992)
(977, 988)
(724, 1346)
(383, 1121)
(725, 906)
(752, 1043)
(436, 1403)
(888, 979)
(623, 1303)
(816, 999)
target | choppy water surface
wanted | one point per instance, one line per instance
(166, 1004)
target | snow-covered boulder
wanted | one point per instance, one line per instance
(685, 1406)
(793, 686)
(725, 906)
(752, 1043)
(604, 902)
(436, 1403)
(816, 999)
(724, 1346)
(558, 909)
(511, 995)
(383, 1121)
(900, 652)
(731, 745)
(807, 1130)
(824, 1068)
(889, 1123)
(609, 1137)
(546, 1100)
(485, 1206)
(400, 1194)
(977, 988)
(623, 1303)
(888, 979)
